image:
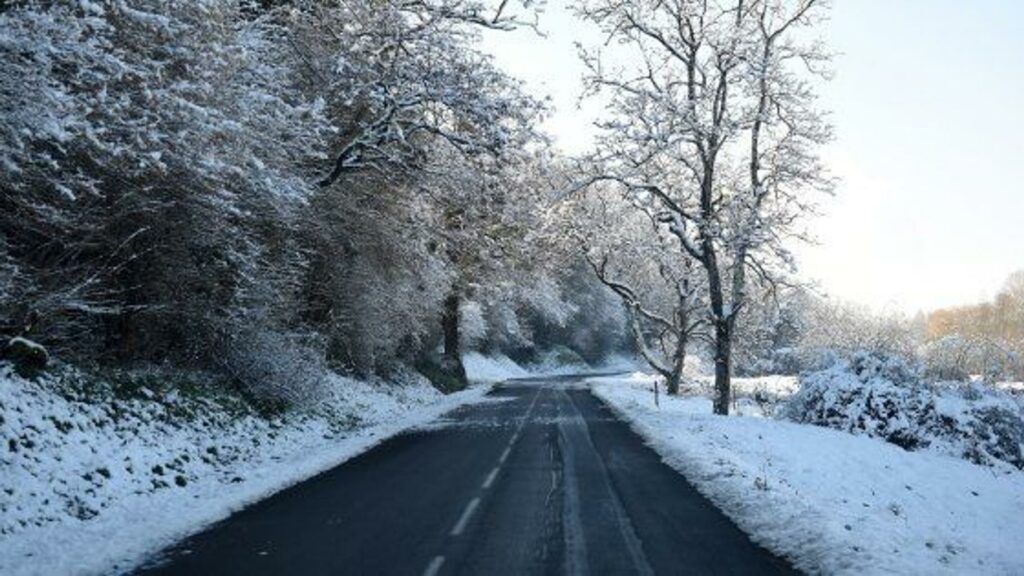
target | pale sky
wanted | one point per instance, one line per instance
(928, 107)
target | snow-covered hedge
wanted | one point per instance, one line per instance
(884, 397)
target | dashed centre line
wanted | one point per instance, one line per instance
(515, 435)
(434, 567)
(490, 478)
(466, 515)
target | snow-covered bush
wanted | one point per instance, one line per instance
(472, 324)
(885, 397)
(874, 394)
(978, 423)
(276, 369)
(29, 358)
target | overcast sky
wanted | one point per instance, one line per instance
(928, 106)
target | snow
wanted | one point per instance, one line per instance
(775, 384)
(92, 484)
(497, 367)
(830, 501)
(494, 368)
(26, 343)
(755, 396)
(1015, 387)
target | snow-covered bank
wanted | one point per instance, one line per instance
(497, 367)
(833, 502)
(494, 368)
(93, 477)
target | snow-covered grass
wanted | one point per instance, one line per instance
(95, 475)
(774, 384)
(755, 396)
(830, 501)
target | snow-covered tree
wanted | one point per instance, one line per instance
(714, 132)
(431, 121)
(149, 154)
(768, 333)
(831, 326)
(402, 75)
(660, 287)
(492, 235)
(180, 179)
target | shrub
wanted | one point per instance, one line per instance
(276, 369)
(29, 358)
(883, 396)
(874, 394)
(439, 377)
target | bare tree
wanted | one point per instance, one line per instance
(659, 286)
(714, 132)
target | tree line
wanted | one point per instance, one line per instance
(984, 339)
(269, 188)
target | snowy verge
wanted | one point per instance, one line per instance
(96, 482)
(829, 501)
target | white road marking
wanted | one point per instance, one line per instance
(511, 442)
(466, 515)
(515, 435)
(434, 567)
(490, 478)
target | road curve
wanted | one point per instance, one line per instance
(543, 480)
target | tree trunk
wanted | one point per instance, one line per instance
(723, 366)
(678, 362)
(672, 384)
(723, 332)
(716, 295)
(451, 362)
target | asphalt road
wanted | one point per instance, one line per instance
(543, 480)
